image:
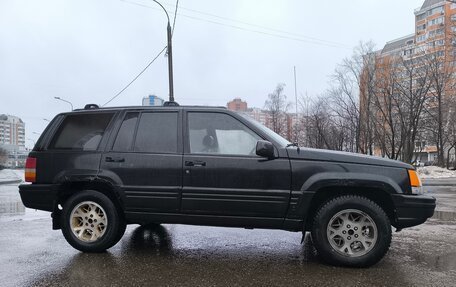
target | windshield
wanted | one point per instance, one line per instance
(271, 134)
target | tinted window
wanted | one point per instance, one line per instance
(218, 133)
(124, 137)
(157, 132)
(81, 132)
(279, 139)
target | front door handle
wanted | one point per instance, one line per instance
(195, 163)
(114, 159)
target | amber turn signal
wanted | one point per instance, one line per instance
(414, 179)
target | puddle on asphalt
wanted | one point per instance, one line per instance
(15, 210)
(11, 208)
(444, 215)
(444, 262)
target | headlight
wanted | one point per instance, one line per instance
(415, 182)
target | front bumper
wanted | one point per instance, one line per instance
(412, 210)
(38, 196)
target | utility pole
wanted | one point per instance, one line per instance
(296, 105)
(170, 64)
(170, 55)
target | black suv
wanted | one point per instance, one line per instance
(99, 169)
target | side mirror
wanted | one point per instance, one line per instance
(265, 149)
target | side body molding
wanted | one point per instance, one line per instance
(350, 179)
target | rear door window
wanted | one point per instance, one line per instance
(126, 132)
(81, 131)
(157, 133)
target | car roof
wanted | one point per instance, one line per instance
(121, 108)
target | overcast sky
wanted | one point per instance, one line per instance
(85, 51)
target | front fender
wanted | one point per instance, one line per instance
(351, 179)
(300, 201)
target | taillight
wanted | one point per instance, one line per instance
(30, 169)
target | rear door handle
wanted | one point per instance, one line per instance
(114, 159)
(195, 163)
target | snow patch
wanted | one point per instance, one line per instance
(435, 172)
(7, 175)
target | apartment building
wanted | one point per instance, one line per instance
(406, 63)
(237, 105)
(12, 140)
(12, 131)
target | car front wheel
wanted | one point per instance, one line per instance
(91, 222)
(351, 231)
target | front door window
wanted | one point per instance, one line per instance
(217, 133)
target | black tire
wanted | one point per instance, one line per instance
(112, 231)
(120, 234)
(343, 205)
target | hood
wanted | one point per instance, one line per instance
(344, 157)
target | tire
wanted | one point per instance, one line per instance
(91, 222)
(351, 231)
(120, 234)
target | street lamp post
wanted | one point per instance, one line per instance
(63, 100)
(170, 55)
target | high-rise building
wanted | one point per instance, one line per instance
(12, 131)
(12, 140)
(435, 27)
(152, 100)
(406, 71)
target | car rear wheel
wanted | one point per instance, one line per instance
(91, 222)
(351, 231)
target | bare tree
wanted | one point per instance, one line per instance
(384, 116)
(442, 72)
(277, 106)
(335, 119)
(412, 85)
(451, 134)
(3, 157)
(359, 71)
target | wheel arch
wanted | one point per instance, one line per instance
(67, 189)
(326, 186)
(323, 195)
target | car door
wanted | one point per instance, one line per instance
(146, 157)
(224, 176)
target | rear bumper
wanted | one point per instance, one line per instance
(412, 210)
(38, 196)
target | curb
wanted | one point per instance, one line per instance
(438, 184)
(10, 181)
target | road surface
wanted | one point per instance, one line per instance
(32, 254)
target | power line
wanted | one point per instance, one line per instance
(277, 34)
(174, 20)
(148, 65)
(135, 78)
(264, 33)
(259, 26)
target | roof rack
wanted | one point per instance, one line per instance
(91, 106)
(170, 104)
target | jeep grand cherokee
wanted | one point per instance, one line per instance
(99, 169)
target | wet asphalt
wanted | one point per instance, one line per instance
(32, 254)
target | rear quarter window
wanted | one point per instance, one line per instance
(81, 131)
